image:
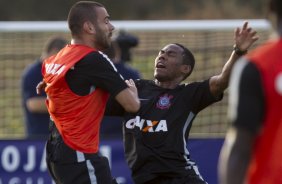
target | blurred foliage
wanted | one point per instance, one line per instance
(18, 10)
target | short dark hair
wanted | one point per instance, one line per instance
(188, 58)
(276, 7)
(79, 13)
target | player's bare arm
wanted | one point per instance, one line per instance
(244, 38)
(37, 104)
(128, 98)
(235, 156)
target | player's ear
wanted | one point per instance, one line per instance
(185, 69)
(89, 27)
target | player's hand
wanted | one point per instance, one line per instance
(40, 87)
(245, 37)
(130, 83)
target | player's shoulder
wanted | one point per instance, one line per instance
(96, 59)
(195, 84)
(244, 66)
(96, 56)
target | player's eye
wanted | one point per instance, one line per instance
(171, 54)
(161, 52)
(107, 20)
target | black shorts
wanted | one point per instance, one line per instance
(176, 180)
(94, 171)
(68, 166)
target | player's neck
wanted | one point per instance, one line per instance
(167, 84)
(82, 41)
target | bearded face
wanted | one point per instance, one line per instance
(103, 38)
(103, 29)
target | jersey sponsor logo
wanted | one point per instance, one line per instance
(278, 83)
(147, 125)
(164, 101)
(54, 69)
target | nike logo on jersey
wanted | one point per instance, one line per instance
(147, 125)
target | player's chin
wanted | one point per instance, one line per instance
(160, 77)
(160, 72)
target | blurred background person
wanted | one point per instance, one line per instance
(111, 126)
(36, 116)
(252, 150)
(126, 42)
(115, 54)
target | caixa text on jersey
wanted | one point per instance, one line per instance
(146, 125)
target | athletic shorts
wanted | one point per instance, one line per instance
(175, 180)
(94, 171)
(68, 166)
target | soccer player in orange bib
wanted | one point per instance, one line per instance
(252, 150)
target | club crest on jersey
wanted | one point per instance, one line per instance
(164, 101)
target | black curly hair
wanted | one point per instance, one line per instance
(188, 58)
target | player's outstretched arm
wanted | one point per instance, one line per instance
(244, 38)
